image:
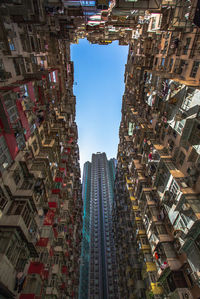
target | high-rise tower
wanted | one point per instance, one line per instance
(98, 277)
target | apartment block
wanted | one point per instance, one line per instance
(156, 212)
(98, 273)
(41, 205)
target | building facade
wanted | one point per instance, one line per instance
(156, 206)
(40, 188)
(98, 267)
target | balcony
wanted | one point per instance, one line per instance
(148, 199)
(14, 254)
(33, 285)
(5, 76)
(167, 258)
(28, 231)
(191, 132)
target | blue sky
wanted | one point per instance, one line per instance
(99, 73)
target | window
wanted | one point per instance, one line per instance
(26, 215)
(171, 64)
(193, 155)
(27, 63)
(153, 23)
(11, 251)
(32, 43)
(56, 259)
(161, 229)
(21, 208)
(186, 47)
(17, 67)
(186, 104)
(181, 158)
(26, 185)
(16, 208)
(11, 108)
(26, 90)
(54, 76)
(11, 44)
(88, 13)
(39, 44)
(3, 199)
(174, 188)
(53, 282)
(5, 237)
(21, 262)
(195, 68)
(180, 125)
(42, 134)
(88, 3)
(35, 146)
(1, 65)
(144, 241)
(16, 176)
(5, 158)
(163, 62)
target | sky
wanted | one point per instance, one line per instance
(99, 87)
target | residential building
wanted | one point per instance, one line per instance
(98, 268)
(156, 210)
(41, 204)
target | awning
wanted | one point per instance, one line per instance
(27, 296)
(64, 269)
(55, 191)
(36, 268)
(42, 242)
(150, 267)
(58, 180)
(52, 204)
